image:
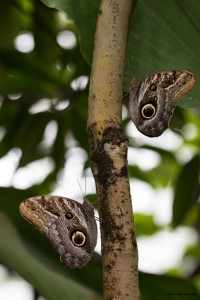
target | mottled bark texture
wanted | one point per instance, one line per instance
(108, 146)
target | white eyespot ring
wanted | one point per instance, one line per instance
(148, 111)
(78, 238)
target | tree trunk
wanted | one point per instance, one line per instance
(108, 146)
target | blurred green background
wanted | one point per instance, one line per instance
(45, 58)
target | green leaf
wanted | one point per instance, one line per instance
(144, 225)
(161, 37)
(164, 287)
(84, 14)
(186, 190)
(194, 252)
(36, 70)
(49, 283)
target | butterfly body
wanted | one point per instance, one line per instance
(153, 99)
(69, 225)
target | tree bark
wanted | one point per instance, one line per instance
(108, 147)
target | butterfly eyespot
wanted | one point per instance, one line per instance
(33, 208)
(78, 238)
(153, 87)
(148, 111)
(68, 215)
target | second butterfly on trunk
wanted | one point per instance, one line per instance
(153, 99)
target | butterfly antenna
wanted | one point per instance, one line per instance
(85, 187)
(81, 189)
(125, 96)
(132, 66)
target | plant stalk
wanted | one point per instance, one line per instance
(108, 147)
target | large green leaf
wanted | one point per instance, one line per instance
(163, 35)
(84, 13)
(163, 287)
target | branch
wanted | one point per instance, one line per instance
(108, 147)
